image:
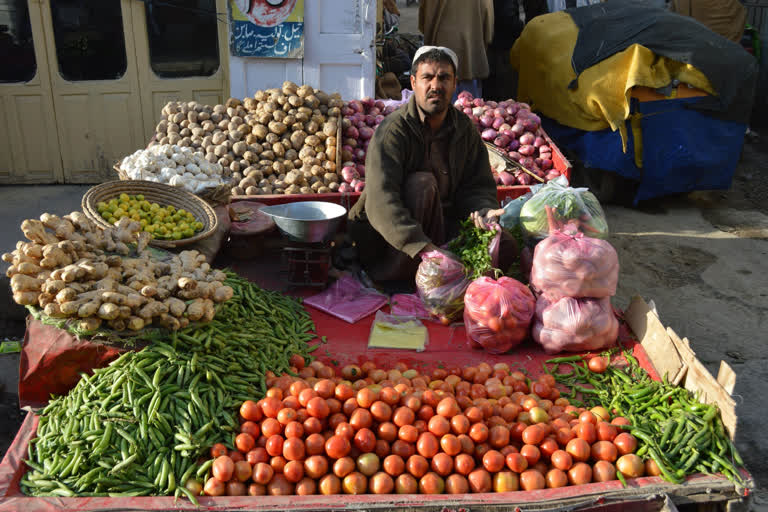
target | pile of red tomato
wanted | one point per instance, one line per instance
(476, 429)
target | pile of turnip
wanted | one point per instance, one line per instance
(516, 132)
(361, 117)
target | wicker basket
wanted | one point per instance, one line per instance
(214, 196)
(156, 193)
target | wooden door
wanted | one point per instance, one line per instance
(339, 50)
(29, 147)
(182, 54)
(94, 83)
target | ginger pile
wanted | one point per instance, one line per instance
(71, 268)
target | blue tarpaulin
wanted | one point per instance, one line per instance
(682, 149)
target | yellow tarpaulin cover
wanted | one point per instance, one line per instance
(407, 335)
(542, 57)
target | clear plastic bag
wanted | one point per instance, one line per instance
(575, 324)
(497, 314)
(510, 219)
(403, 332)
(441, 281)
(572, 265)
(348, 300)
(575, 207)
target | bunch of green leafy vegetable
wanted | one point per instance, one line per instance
(472, 248)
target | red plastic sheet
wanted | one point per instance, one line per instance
(52, 359)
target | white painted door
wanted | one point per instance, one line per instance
(339, 47)
(339, 53)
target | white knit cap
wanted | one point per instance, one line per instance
(447, 51)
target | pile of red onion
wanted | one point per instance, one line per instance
(361, 117)
(516, 131)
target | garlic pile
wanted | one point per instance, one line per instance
(174, 165)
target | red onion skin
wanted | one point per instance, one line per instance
(359, 155)
(546, 164)
(501, 141)
(360, 169)
(530, 125)
(378, 119)
(526, 138)
(360, 186)
(523, 179)
(514, 145)
(551, 175)
(489, 134)
(518, 129)
(374, 111)
(506, 179)
(545, 149)
(514, 155)
(352, 132)
(526, 150)
(491, 104)
(368, 102)
(527, 162)
(497, 122)
(366, 132)
(466, 94)
(349, 141)
(344, 187)
(486, 121)
(478, 102)
(349, 174)
(538, 142)
(355, 105)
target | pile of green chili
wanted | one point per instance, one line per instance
(682, 435)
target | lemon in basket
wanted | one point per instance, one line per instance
(161, 222)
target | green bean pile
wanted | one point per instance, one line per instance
(682, 435)
(138, 426)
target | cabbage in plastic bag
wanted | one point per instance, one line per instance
(571, 206)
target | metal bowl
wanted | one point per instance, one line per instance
(307, 221)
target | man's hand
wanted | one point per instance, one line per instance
(482, 218)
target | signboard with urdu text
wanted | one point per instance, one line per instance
(267, 28)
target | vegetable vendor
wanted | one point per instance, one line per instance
(427, 169)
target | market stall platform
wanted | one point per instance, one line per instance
(447, 346)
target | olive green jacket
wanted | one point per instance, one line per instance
(395, 151)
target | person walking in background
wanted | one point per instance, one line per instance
(501, 83)
(466, 27)
(725, 17)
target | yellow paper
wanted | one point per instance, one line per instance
(407, 335)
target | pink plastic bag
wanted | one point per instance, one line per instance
(441, 282)
(409, 305)
(497, 314)
(568, 264)
(348, 300)
(575, 324)
(572, 265)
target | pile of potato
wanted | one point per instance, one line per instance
(281, 141)
(70, 268)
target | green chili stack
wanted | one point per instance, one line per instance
(137, 427)
(682, 435)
